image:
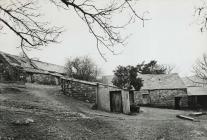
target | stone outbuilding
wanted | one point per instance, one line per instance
(106, 97)
(163, 90)
(15, 68)
(113, 99)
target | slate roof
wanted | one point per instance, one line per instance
(162, 81)
(49, 67)
(34, 67)
(155, 81)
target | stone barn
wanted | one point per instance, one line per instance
(163, 90)
(15, 68)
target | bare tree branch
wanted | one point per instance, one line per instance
(200, 69)
(99, 20)
(201, 14)
(23, 18)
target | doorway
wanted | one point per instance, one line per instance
(177, 102)
(116, 101)
(131, 97)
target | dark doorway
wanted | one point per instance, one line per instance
(116, 101)
(202, 102)
(131, 97)
(177, 102)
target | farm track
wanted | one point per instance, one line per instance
(58, 117)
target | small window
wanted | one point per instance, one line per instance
(145, 96)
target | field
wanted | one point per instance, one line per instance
(39, 112)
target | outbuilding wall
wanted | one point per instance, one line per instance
(125, 101)
(103, 98)
(10, 73)
(45, 79)
(161, 98)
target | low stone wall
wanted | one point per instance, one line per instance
(81, 90)
(161, 98)
(42, 79)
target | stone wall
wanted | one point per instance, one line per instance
(138, 97)
(161, 98)
(42, 79)
(11, 74)
(84, 91)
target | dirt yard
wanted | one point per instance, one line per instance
(36, 112)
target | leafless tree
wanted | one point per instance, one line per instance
(23, 18)
(82, 68)
(201, 14)
(200, 69)
(169, 68)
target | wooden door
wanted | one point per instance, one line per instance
(131, 97)
(177, 102)
(116, 101)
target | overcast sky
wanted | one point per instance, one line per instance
(171, 37)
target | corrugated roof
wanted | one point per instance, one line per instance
(34, 67)
(197, 91)
(161, 81)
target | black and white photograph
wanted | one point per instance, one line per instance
(103, 69)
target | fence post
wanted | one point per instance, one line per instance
(61, 84)
(64, 86)
(97, 89)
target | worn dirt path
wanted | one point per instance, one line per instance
(57, 117)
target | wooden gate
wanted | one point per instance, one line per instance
(116, 101)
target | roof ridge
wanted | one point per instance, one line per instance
(31, 58)
(41, 65)
(46, 62)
